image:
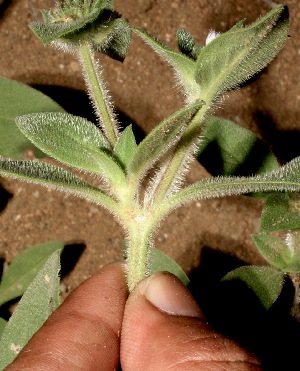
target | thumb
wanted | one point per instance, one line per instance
(163, 328)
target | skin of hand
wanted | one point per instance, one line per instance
(157, 327)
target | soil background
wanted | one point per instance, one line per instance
(208, 238)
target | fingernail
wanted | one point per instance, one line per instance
(169, 295)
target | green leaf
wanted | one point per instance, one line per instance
(281, 211)
(22, 270)
(160, 139)
(126, 147)
(94, 22)
(286, 178)
(70, 19)
(73, 141)
(184, 67)
(283, 254)
(113, 38)
(2, 325)
(39, 301)
(160, 262)
(235, 56)
(54, 177)
(228, 149)
(266, 282)
(18, 99)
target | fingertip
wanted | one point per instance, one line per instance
(83, 333)
(169, 295)
(163, 328)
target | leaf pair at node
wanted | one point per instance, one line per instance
(228, 60)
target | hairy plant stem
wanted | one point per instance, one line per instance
(98, 93)
(183, 153)
(139, 243)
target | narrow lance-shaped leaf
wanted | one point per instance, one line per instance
(160, 262)
(281, 212)
(184, 67)
(235, 56)
(266, 282)
(282, 253)
(19, 99)
(39, 301)
(55, 177)
(73, 141)
(160, 139)
(286, 178)
(125, 147)
(229, 149)
(22, 270)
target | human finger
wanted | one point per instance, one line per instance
(83, 333)
(164, 329)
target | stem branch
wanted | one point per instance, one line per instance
(182, 155)
(98, 93)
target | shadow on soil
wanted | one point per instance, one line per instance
(233, 309)
(283, 143)
(5, 196)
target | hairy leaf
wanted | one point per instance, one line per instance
(283, 254)
(22, 270)
(3, 323)
(39, 301)
(113, 38)
(69, 19)
(286, 178)
(233, 57)
(126, 147)
(266, 282)
(54, 177)
(19, 99)
(160, 262)
(73, 141)
(184, 67)
(281, 211)
(94, 22)
(228, 149)
(160, 139)
(187, 44)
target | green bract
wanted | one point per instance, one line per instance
(77, 21)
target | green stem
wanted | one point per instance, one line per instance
(137, 254)
(98, 93)
(182, 155)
